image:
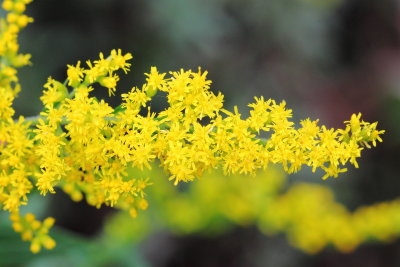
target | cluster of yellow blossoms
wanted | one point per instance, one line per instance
(306, 213)
(85, 146)
(312, 219)
(34, 230)
(17, 158)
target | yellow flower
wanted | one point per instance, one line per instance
(109, 82)
(119, 61)
(75, 74)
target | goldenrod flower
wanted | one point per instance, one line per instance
(86, 147)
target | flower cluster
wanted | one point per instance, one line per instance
(85, 147)
(306, 213)
(17, 161)
(34, 231)
(312, 219)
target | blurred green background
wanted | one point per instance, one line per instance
(327, 59)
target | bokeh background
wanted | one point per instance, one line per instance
(326, 58)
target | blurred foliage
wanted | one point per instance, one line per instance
(307, 213)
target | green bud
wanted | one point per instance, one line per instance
(151, 91)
